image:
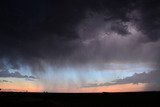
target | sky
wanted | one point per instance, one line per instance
(80, 45)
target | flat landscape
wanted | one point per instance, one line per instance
(130, 99)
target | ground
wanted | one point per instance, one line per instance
(134, 99)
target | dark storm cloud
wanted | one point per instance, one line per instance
(33, 31)
(6, 73)
(149, 78)
(120, 28)
(151, 19)
(44, 32)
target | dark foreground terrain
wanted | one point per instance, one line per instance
(136, 99)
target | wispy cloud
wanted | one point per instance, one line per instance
(2, 81)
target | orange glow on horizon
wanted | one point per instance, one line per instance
(113, 88)
(20, 85)
(116, 88)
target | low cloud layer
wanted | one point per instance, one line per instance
(151, 79)
(6, 73)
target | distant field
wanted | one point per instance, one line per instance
(134, 99)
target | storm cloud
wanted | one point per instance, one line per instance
(78, 34)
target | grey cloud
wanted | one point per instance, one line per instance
(41, 33)
(120, 28)
(149, 78)
(80, 34)
(6, 73)
(151, 19)
(102, 44)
